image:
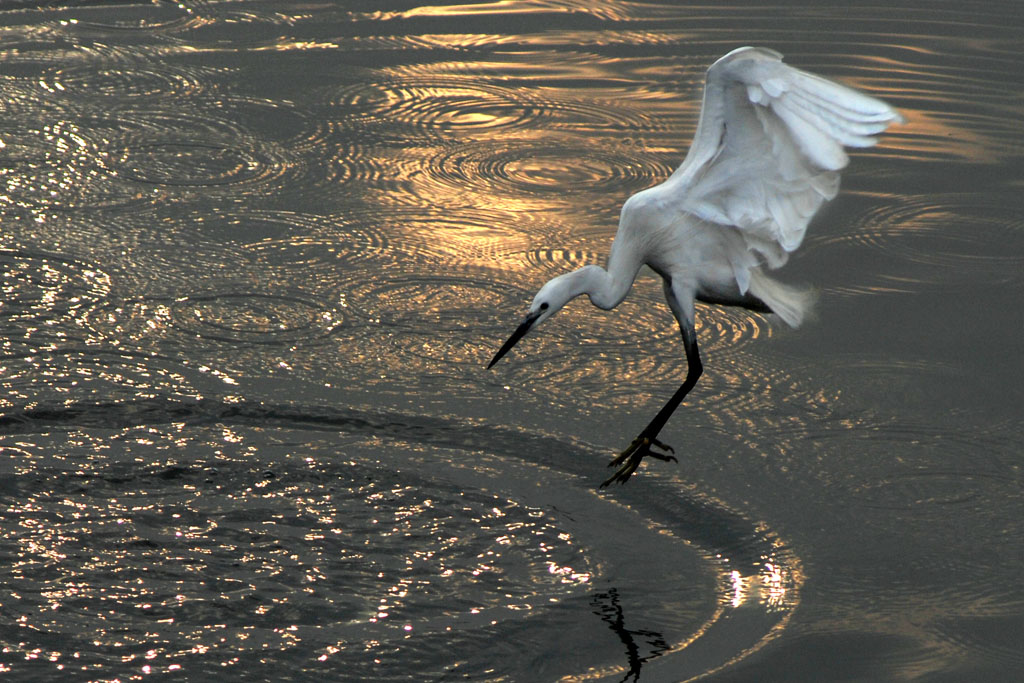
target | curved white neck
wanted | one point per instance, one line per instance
(607, 288)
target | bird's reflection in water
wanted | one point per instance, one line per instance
(642, 645)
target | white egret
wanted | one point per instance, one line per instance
(765, 157)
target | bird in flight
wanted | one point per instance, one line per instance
(765, 157)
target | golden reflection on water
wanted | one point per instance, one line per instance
(773, 585)
(503, 8)
(524, 175)
(440, 193)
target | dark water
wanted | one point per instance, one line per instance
(254, 257)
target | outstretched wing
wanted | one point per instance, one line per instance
(769, 146)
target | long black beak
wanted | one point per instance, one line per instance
(520, 332)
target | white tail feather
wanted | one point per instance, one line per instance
(792, 304)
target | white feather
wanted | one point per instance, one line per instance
(765, 157)
(769, 146)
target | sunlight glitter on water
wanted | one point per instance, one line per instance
(255, 256)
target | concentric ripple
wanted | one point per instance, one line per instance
(163, 252)
(418, 544)
(125, 82)
(57, 167)
(329, 251)
(163, 151)
(941, 241)
(611, 359)
(965, 472)
(160, 15)
(238, 235)
(450, 303)
(87, 376)
(472, 236)
(611, 13)
(253, 318)
(102, 160)
(128, 324)
(437, 105)
(345, 251)
(253, 227)
(458, 306)
(892, 456)
(286, 123)
(526, 169)
(917, 492)
(448, 102)
(189, 163)
(40, 286)
(351, 159)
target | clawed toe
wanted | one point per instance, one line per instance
(624, 473)
(663, 446)
(629, 460)
(664, 457)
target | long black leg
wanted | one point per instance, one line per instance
(694, 369)
(630, 459)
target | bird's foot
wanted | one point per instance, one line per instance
(628, 460)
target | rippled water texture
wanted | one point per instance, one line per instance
(254, 257)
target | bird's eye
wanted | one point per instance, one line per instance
(544, 306)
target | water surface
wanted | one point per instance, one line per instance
(256, 255)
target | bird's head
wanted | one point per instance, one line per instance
(555, 294)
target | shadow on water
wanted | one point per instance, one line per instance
(609, 608)
(754, 579)
(200, 198)
(720, 531)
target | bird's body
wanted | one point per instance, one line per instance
(765, 157)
